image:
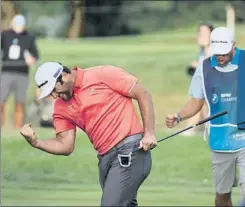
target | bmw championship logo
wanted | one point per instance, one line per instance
(214, 98)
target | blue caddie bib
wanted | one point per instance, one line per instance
(220, 88)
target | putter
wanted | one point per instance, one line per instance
(127, 158)
(193, 126)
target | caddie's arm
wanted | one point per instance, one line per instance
(194, 105)
(191, 108)
(62, 144)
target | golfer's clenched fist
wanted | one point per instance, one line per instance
(171, 121)
(29, 134)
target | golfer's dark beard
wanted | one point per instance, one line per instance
(69, 95)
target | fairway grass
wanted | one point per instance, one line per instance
(181, 174)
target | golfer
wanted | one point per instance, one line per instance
(98, 100)
(216, 80)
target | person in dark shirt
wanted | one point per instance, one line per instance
(19, 53)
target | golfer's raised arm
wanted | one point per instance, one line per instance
(63, 144)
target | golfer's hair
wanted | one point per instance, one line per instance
(65, 69)
(207, 24)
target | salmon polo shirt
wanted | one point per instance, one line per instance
(100, 107)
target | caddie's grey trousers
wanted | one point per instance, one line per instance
(120, 182)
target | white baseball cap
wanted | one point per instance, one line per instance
(221, 41)
(19, 20)
(46, 77)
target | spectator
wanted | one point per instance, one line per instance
(19, 54)
(204, 32)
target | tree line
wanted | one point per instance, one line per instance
(88, 18)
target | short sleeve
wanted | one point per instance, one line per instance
(60, 123)
(118, 79)
(196, 87)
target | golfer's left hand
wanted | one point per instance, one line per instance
(148, 142)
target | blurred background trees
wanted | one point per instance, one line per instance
(76, 26)
(88, 18)
(8, 10)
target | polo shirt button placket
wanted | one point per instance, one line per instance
(78, 102)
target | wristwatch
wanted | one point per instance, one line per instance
(178, 118)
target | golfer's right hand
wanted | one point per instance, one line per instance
(29, 134)
(171, 121)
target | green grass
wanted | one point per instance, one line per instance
(181, 172)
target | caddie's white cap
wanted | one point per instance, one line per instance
(221, 41)
(46, 77)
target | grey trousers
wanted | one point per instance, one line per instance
(16, 83)
(121, 183)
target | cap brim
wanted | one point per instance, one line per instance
(46, 91)
(220, 49)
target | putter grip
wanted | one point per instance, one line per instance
(212, 117)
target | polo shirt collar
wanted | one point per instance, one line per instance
(79, 77)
